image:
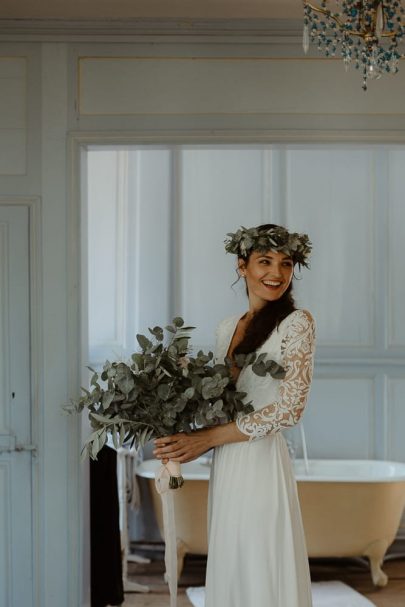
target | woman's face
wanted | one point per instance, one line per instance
(268, 276)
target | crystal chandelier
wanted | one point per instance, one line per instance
(365, 33)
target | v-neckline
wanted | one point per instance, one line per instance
(230, 339)
(232, 334)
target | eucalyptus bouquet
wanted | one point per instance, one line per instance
(162, 390)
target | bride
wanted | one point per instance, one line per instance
(256, 550)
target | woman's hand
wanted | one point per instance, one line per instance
(183, 447)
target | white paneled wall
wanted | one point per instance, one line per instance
(227, 83)
(13, 109)
(159, 245)
(220, 190)
(396, 425)
(396, 225)
(105, 290)
(128, 246)
(330, 196)
(151, 192)
(340, 417)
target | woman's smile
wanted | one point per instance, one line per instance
(272, 285)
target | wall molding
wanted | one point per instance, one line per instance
(79, 29)
(236, 136)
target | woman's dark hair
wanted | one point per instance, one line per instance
(268, 318)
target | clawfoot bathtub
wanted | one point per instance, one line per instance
(350, 508)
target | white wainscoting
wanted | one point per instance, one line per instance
(396, 418)
(330, 196)
(176, 205)
(129, 247)
(5, 531)
(152, 231)
(220, 190)
(13, 109)
(170, 85)
(396, 227)
(339, 420)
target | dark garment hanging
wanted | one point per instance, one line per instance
(106, 565)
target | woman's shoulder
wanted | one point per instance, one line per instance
(227, 323)
(300, 320)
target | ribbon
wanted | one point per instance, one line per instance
(163, 486)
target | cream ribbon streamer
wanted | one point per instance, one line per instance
(162, 479)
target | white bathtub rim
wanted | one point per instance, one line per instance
(350, 471)
(321, 470)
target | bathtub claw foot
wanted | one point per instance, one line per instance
(375, 553)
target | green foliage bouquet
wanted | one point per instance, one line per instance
(160, 391)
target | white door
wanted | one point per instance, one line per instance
(16, 450)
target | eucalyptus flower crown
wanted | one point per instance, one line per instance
(244, 241)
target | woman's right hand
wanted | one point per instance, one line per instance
(183, 447)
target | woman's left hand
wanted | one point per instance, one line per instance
(183, 447)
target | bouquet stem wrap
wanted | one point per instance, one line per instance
(169, 477)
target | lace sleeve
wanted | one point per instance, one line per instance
(297, 349)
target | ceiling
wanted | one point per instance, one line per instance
(100, 10)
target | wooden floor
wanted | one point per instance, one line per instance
(350, 571)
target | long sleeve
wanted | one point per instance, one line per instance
(297, 350)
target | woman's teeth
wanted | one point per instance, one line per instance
(271, 283)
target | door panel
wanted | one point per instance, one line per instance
(16, 450)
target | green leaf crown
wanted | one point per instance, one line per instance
(245, 240)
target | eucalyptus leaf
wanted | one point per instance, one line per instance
(144, 342)
(101, 418)
(107, 398)
(126, 384)
(115, 437)
(163, 391)
(178, 321)
(122, 435)
(189, 393)
(94, 379)
(95, 447)
(275, 370)
(138, 359)
(217, 406)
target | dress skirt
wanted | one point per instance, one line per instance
(257, 554)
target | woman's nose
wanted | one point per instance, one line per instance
(275, 271)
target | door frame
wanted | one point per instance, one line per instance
(78, 142)
(33, 204)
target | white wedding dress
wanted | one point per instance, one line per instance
(257, 554)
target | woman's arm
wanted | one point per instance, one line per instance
(297, 349)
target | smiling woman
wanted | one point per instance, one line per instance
(256, 545)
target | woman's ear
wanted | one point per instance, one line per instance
(242, 267)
